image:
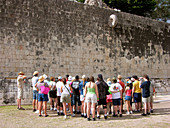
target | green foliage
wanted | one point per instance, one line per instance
(138, 7)
(82, 1)
(162, 10)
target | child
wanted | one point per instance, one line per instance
(128, 98)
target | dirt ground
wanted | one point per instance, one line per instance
(10, 117)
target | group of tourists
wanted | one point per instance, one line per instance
(85, 96)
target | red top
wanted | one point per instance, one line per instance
(122, 84)
(129, 92)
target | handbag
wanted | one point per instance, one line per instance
(67, 90)
(44, 89)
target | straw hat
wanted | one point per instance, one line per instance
(20, 73)
(36, 72)
(41, 78)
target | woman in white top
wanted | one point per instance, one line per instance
(65, 96)
(91, 94)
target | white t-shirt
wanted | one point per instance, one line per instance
(53, 84)
(34, 81)
(58, 86)
(66, 90)
(20, 81)
(115, 87)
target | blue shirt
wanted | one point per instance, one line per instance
(146, 89)
(81, 87)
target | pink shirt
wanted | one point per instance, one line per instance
(129, 92)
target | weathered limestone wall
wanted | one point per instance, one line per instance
(59, 37)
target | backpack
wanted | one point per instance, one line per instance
(44, 89)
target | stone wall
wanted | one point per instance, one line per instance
(59, 37)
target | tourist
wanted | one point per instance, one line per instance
(53, 94)
(20, 85)
(146, 95)
(103, 91)
(128, 97)
(81, 88)
(43, 89)
(116, 90)
(66, 97)
(119, 77)
(35, 92)
(109, 97)
(91, 95)
(76, 94)
(59, 103)
(152, 90)
(136, 93)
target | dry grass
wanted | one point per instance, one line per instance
(13, 118)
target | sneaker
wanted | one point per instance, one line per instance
(143, 114)
(127, 113)
(148, 113)
(94, 119)
(55, 109)
(34, 110)
(120, 115)
(51, 109)
(46, 115)
(62, 113)
(78, 112)
(88, 119)
(85, 116)
(114, 115)
(105, 117)
(73, 115)
(65, 116)
(37, 111)
(74, 112)
(58, 113)
(131, 112)
(98, 117)
(40, 115)
(151, 111)
(21, 108)
(82, 115)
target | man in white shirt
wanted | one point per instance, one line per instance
(116, 96)
(20, 85)
(35, 92)
(59, 104)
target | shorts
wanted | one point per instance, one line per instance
(35, 95)
(128, 97)
(76, 98)
(151, 98)
(20, 93)
(81, 97)
(42, 97)
(116, 102)
(91, 98)
(145, 100)
(65, 98)
(102, 102)
(137, 97)
(53, 94)
(58, 101)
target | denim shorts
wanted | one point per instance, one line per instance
(42, 97)
(116, 102)
(128, 97)
(137, 97)
(76, 98)
(35, 95)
